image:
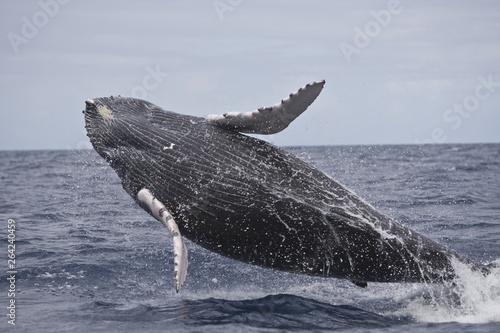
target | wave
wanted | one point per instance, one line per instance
(471, 297)
(280, 311)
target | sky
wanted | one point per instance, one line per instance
(396, 71)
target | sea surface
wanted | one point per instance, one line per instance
(88, 259)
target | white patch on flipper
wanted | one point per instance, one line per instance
(161, 213)
(272, 119)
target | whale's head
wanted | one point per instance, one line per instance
(118, 128)
(115, 122)
(127, 131)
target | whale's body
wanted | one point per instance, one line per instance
(249, 200)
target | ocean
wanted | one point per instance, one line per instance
(88, 259)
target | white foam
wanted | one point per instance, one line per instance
(471, 298)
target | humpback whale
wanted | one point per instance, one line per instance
(246, 199)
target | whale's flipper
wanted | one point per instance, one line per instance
(272, 119)
(161, 213)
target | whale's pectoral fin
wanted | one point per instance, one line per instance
(272, 119)
(161, 213)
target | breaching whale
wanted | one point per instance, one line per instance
(248, 200)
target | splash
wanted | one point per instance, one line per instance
(471, 298)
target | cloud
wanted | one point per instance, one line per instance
(396, 88)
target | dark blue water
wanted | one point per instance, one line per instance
(89, 260)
